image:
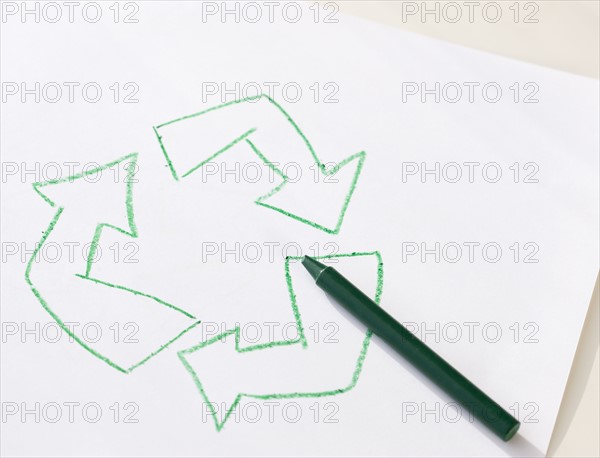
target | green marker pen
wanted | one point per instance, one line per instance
(456, 385)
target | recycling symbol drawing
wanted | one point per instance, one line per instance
(265, 132)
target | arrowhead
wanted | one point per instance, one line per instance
(216, 383)
(85, 299)
(224, 373)
(97, 194)
(322, 196)
(223, 129)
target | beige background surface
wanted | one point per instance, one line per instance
(566, 37)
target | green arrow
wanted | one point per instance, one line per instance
(242, 124)
(219, 387)
(83, 284)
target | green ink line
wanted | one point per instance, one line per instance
(301, 340)
(168, 159)
(37, 185)
(281, 343)
(260, 201)
(164, 346)
(266, 161)
(221, 151)
(296, 311)
(137, 293)
(93, 249)
(196, 380)
(45, 305)
(131, 231)
(233, 102)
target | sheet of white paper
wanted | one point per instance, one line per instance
(495, 273)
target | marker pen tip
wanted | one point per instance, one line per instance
(313, 266)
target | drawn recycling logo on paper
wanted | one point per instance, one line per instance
(79, 296)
